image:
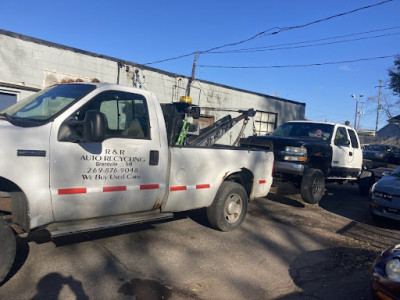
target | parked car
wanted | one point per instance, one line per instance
(379, 152)
(385, 196)
(396, 155)
(386, 274)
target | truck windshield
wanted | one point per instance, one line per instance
(315, 131)
(44, 105)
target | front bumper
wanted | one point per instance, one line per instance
(383, 209)
(289, 168)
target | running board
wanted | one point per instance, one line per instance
(73, 227)
(341, 178)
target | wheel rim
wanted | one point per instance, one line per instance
(317, 186)
(233, 208)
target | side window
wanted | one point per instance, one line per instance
(341, 137)
(353, 138)
(126, 113)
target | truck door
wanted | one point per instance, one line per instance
(122, 174)
(357, 160)
(340, 152)
(344, 156)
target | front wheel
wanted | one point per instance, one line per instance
(313, 186)
(8, 248)
(229, 207)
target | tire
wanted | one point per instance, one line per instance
(229, 207)
(365, 182)
(313, 186)
(8, 248)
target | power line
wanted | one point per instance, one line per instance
(283, 46)
(296, 66)
(271, 31)
(314, 45)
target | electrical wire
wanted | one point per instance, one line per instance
(315, 45)
(310, 41)
(271, 31)
(296, 66)
(284, 46)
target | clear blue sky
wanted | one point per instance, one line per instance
(147, 31)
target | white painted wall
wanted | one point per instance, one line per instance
(28, 63)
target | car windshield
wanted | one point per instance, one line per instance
(46, 104)
(396, 172)
(316, 131)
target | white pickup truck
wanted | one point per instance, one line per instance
(84, 156)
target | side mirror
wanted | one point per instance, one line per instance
(91, 129)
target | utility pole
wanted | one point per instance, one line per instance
(361, 112)
(355, 116)
(380, 86)
(196, 54)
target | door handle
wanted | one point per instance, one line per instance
(154, 157)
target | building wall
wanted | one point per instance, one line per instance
(28, 64)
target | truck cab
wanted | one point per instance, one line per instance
(79, 141)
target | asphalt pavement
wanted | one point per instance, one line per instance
(285, 249)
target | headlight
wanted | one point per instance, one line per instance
(392, 269)
(294, 153)
(297, 150)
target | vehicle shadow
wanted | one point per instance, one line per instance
(280, 191)
(198, 215)
(344, 200)
(316, 273)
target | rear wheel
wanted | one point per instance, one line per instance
(229, 207)
(313, 186)
(8, 248)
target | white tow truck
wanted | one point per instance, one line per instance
(85, 156)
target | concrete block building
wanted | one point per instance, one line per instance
(28, 65)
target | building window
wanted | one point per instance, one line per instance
(264, 122)
(7, 100)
